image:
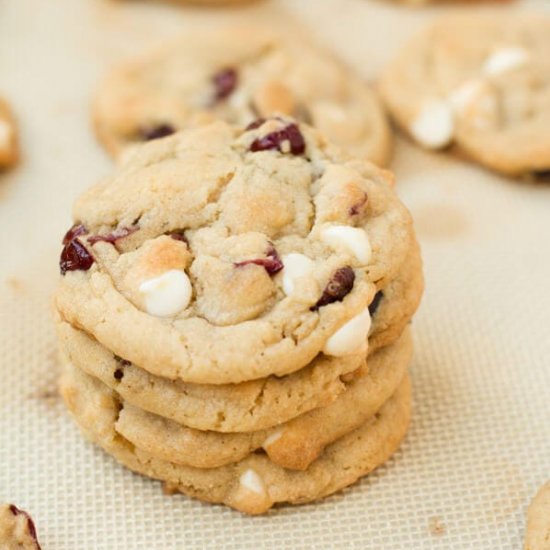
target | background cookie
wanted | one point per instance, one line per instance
(481, 82)
(17, 530)
(9, 151)
(239, 74)
(537, 534)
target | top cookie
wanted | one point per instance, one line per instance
(482, 82)
(220, 254)
(239, 75)
(9, 150)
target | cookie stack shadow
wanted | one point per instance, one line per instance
(262, 419)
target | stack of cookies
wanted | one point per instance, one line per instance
(233, 314)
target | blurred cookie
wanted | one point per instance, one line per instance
(17, 530)
(9, 151)
(537, 535)
(481, 82)
(239, 75)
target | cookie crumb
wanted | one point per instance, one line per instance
(436, 526)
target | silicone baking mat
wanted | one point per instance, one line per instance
(479, 445)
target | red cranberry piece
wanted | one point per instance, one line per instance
(225, 81)
(255, 124)
(156, 131)
(373, 306)
(122, 362)
(272, 264)
(274, 140)
(179, 236)
(74, 232)
(113, 237)
(30, 523)
(74, 256)
(339, 286)
(358, 206)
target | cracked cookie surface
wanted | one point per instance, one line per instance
(238, 75)
(223, 245)
(481, 82)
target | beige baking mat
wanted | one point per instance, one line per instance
(480, 442)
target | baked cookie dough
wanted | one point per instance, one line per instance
(240, 253)
(239, 75)
(480, 82)
(294, 444)
(255, 483)
(537, 534)
(9, 150)
(17, 530)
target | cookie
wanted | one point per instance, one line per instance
(252, 405)
(240, 253)
(537, 535)
(17, 530)
(292, 445)
(239, 74)
(480, 82)
(255, 483)
(9, 150)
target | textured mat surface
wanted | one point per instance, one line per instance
(479, 445)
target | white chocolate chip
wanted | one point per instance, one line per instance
(275, 436)
(351, 239)
(351, 338)
(434, 125)
(505, 59)
(168, 294)
(296, 267)
(253, 482)
(466, 94)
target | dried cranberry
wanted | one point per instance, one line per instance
(156, 131)
(339, 286)
(272, 264)
(225, 81)
(274, 140)
(373, 306)
(255, 124)
(118, 374)
(123, 362)
(74, 256)
(30, 523)
(179, 236)
(74, 232)
(113, 237)
(358, 206)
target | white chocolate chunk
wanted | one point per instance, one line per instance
(253, 482)
(351, 338)
(351, 239)
(296, 267)
(275, 436)
(505, 59)
(434, 126)
(466, 94)
(167, 294)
